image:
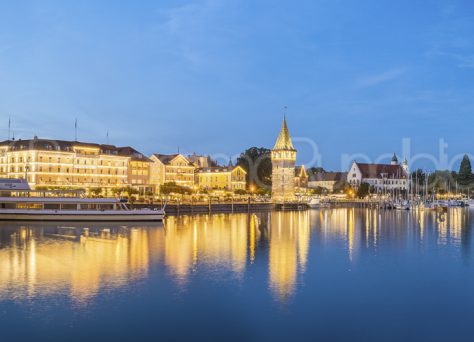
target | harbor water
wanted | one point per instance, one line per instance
(327, 274)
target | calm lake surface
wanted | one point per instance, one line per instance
(329, 274)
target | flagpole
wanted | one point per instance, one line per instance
(75, 130)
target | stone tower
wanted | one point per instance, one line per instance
(283, 167)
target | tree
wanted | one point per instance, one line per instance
(319, 191)
(173, 188)
(96, 192)
(131, 190)
(418, 177)
(118, 191)
(465, 176)
(363, 190)
(442, 181)
(316, 169)
(256, 161)
(342, 185)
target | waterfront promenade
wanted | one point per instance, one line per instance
(252, 206)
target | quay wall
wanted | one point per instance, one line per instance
(201, 208)
(244, 207)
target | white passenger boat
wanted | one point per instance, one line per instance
(73, 209)
(28, 205)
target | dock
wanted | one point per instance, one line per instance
(176, 209)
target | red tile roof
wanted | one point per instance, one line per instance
(381, 171)
(328, 176)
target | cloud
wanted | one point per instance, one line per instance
(464, 60)
(376, 79)
(191, 29)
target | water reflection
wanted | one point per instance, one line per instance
(289, 246)
(366, 229)
(82, 261)
(218, 241)
(79, 261)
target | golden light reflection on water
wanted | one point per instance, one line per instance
(48, 260)
(39, 261)
(289, 247)
(220, 241)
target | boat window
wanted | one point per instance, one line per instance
(51, 206)
(88, 206)
(68, 206)
(106, 206)
(8, 205)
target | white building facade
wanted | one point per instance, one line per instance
(382, 177)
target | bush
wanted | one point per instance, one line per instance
(173, 188)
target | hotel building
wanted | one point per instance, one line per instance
(167, 168)
(229, 178)
(72, 164)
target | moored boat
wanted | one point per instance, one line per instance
(73, 209)
(402, 205)
(19, 203)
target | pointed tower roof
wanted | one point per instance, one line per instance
(284, 140)
(394, 158)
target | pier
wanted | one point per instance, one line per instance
(189, 208)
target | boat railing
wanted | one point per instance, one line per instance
(44, 193)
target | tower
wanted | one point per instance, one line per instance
(394, 160)
(283, 167)
(405, 166)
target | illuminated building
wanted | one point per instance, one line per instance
(72, 164)
(393, 176)
(201, 161)
(139, 168)
(167, 168)
(301, 177)
(283, 167)
(224, 178)
(327, 180)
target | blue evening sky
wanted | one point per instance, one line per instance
(213, 76)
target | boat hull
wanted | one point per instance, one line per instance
(66, 215)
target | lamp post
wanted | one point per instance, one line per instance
(252, 189)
